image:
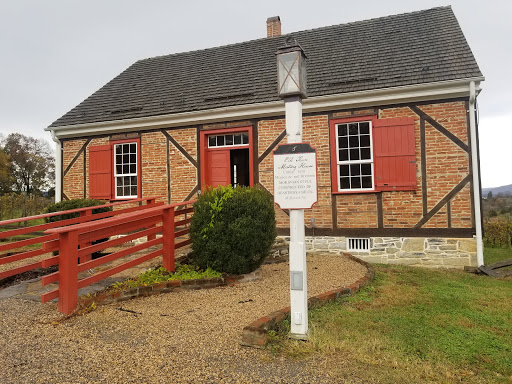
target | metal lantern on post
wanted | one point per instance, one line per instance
(291, 73)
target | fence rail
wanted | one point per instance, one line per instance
(144, 223)
(11, 248)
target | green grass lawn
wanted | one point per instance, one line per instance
(414, 325)
(492, 255)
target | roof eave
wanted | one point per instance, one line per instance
(375, 97)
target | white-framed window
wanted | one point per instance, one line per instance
(228, 140)
(125, 170)
(354, 156)
(358, 244)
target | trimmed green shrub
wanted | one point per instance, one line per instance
(232, 230)
(65, 205)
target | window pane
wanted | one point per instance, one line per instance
(133, 180)
(365, 140)
(220, 140)
(133, 148)
(229, 139)
(245, 138)
(238, 139)
(342, 142)
(120, 191)
(119, 181)
(211, 141)
(133, 191)
(354, 146)
(126, 169)
(343, 155)
(133, 168)
(353, 141)
(355, 169)
(342, 130)
(364, 128)
(126, 159)
(118, 149)
(119, 169)
(126, 191)
(355, 182)
(119, 159)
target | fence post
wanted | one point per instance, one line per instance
(68, 271)
(168, 238)
(150, 202)
(88, 257)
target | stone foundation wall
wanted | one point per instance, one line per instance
(416, 251)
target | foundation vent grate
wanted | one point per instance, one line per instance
(358, 244)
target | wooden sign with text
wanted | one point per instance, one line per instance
(295, 176)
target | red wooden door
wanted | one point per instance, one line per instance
(218, 168)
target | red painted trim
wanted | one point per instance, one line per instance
(204, 148)
(139, 169)
(334, 155)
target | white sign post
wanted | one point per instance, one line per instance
(295, 188)
(289, 191)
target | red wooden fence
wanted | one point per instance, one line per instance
(9, 250)
(147, 222)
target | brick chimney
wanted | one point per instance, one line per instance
(273, 26)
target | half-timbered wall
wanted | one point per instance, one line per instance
(439, 207)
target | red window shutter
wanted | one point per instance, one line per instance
(394, 154)
(100, 172)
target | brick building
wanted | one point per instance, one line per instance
(390, 111)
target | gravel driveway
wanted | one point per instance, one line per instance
(185, 337)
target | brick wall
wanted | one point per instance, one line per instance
(154, 164)
(73, 181)
(183, 173)
(446, 165)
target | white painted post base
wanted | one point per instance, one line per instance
(298, 297)
(298, 278)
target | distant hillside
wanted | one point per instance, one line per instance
(504, 189)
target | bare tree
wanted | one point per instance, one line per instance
(32, 162)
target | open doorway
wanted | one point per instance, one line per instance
(239, 167)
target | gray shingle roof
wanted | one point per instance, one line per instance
(413, 48)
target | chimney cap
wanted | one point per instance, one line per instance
(274, 18)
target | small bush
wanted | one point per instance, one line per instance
(160, 275)
(66, 205)
(232, 230)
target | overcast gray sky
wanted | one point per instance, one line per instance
(55, 53)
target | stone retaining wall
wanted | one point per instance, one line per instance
(417, 251)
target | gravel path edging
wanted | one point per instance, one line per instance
(115, 296)
(256, 333)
